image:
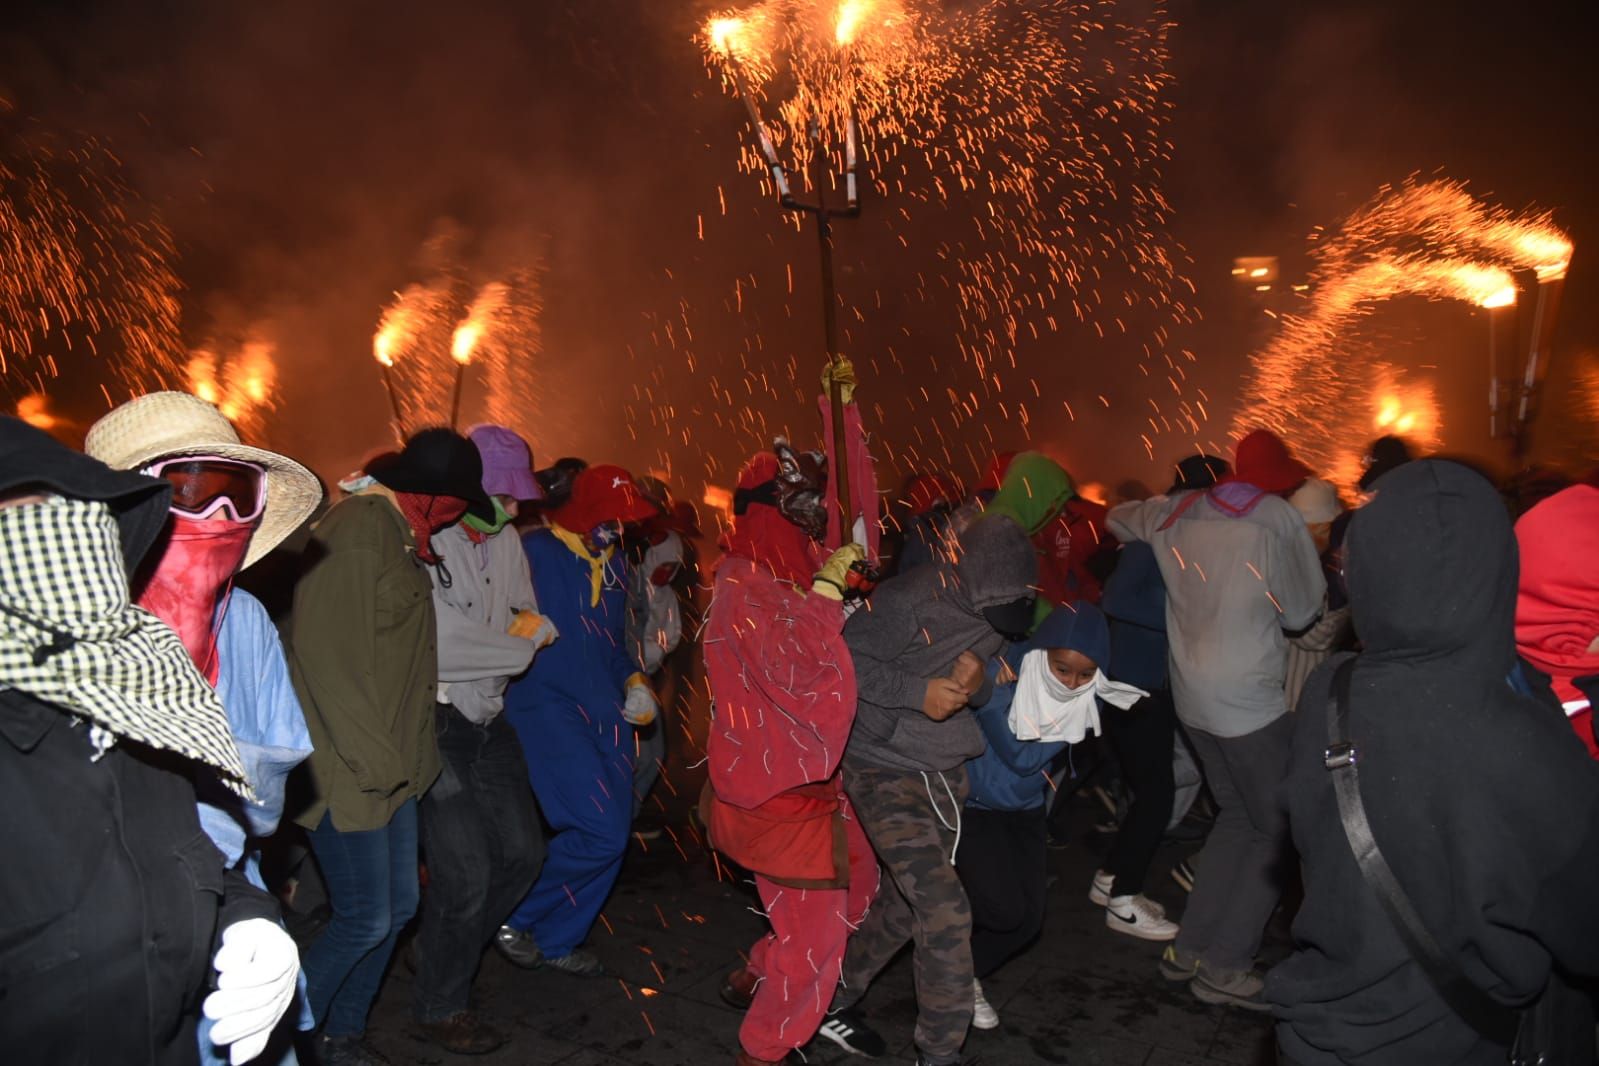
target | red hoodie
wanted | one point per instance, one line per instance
(1557, 604)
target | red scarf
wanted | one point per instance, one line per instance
(766, 538)
(192, 580)
(425, 514)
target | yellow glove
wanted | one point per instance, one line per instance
(639, 706)
(844, 371)
(832, 580)
(530, 625)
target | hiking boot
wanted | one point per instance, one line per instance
(347, 1051)
(647, 831)
(578, 963)
(1183, 874)
(846, 1029)
(1099, 891)
(1231, 988)
(1178, 965)
(464, 1033)
(519, 948)
(1139, 916)
(738, 989)
(984, 1016)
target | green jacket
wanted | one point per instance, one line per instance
(363, 655)
(1035, 489)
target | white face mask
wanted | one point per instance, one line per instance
(1046, 709)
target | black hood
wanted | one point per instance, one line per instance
(31, 457)
(1431, 565)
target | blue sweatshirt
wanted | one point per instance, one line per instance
(1135, 603)
(1010, 775)
(588, 665)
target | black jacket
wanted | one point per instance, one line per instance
(1483, 801)
(111, 895)
(109, 900)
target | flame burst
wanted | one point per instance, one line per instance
(498, 333)
(1028, 134)
(1432, 240)
(241, 384)
(87, 268)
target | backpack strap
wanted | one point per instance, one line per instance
(1492, 1020)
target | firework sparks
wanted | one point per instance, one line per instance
(88, 268)
(1432, 240)
(1028, 134)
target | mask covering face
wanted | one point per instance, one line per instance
(195, 572)
(1011, 620)
(501, 517)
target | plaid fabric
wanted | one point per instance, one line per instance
(70, 636)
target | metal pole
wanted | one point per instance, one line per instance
(824, 242)
(394, 402)
(455, 401)
(1538, 354)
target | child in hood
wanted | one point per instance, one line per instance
(1049, 692)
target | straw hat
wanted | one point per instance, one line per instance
(164, 424)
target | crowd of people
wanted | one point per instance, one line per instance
(1385, 702)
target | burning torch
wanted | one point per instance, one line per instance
(723, 32)
(383, 346)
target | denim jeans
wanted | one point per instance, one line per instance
(483, 847)
(372, 887)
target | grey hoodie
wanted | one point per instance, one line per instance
(913, 629)
(489, 581)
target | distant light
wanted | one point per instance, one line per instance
(1262, 288)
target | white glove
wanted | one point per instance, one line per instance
(256, 966)
(640, 706)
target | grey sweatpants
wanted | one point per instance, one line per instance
(1238, 875)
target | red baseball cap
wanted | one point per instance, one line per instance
(603, 494)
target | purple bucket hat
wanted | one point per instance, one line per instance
(507, 463)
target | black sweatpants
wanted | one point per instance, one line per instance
(1002, 864)
(1142, 736)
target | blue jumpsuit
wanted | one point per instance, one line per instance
(567, 711)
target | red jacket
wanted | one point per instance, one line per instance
(783, 694)
(1066, 547)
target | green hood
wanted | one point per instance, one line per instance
(1035, 488)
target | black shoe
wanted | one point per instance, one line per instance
(348, 1051)
(464, 1033)
(963, 1060)
(846, 1029)
(519, 948)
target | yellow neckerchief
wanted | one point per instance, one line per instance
(596, 562)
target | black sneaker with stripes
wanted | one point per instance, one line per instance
(846, 1029)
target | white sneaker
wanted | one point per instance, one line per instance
(1099, 891)
(984, 1016)
(1140, 917)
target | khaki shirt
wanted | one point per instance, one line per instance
(363, 656)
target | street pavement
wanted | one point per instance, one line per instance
(678, 922)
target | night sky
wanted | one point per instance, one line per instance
(304, 154)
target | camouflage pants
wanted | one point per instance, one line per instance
(921, 900)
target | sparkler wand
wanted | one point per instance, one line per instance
(824, 214)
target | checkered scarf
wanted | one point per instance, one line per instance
(70, 636)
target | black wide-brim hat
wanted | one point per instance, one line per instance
(436, 462)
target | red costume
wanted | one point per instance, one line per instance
(783, 690)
